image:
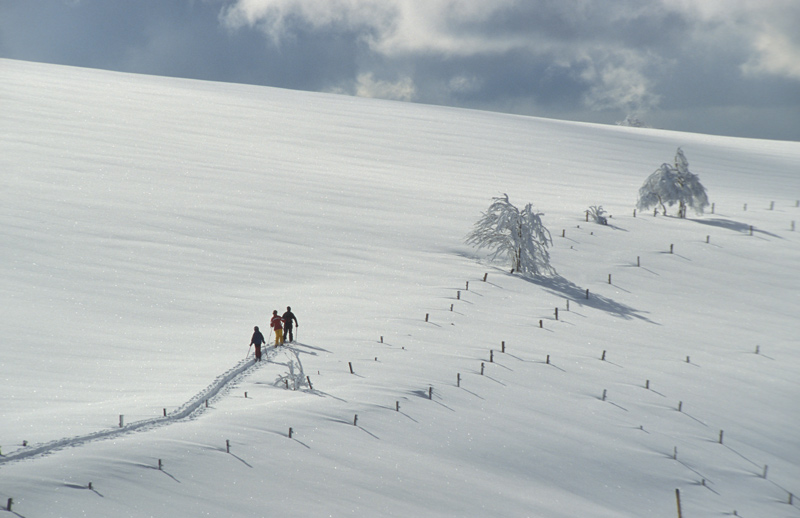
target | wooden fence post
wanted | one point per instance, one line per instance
(678, 498)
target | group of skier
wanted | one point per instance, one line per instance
(282, 325)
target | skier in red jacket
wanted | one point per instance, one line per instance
(276, 323)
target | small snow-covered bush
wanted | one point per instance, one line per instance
(597, 213)
(517, 234)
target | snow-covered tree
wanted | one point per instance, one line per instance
(517, 234)
(632, 121)
(671, 184)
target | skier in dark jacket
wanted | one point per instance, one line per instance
(288, 318)
(257, 340)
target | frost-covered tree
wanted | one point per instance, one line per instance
(517, 234)
(671, 184)
(632, 121)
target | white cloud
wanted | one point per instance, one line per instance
(776, 53)
(622, 53)
(769, 29)
(618, 82)
(463, 85)
(275, 17)
(391, 27)
(365, 85)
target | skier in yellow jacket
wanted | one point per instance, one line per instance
(277, 325)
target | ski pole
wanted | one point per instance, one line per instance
(248, 351)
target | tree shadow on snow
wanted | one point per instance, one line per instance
(564, 288)
(734, 226)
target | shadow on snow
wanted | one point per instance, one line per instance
(734, 226)
(567, 289)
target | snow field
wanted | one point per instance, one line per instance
(150, 223)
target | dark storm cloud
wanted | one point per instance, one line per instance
(699, 65)
(646, 23)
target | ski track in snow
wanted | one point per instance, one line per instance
(194, 406)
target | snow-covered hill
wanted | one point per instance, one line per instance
(149, 223)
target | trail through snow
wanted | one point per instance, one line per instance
(197, 404)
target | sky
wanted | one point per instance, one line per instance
(727, 67)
